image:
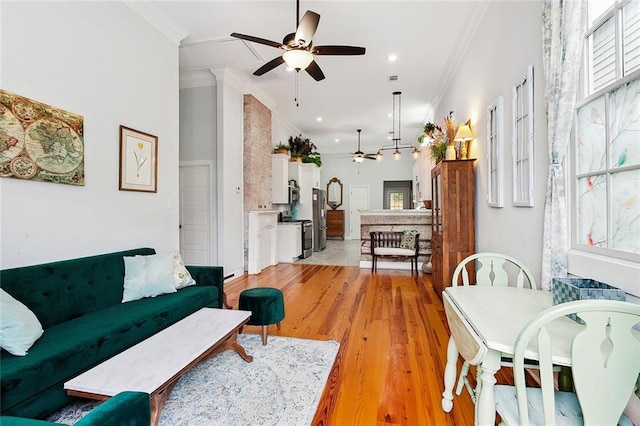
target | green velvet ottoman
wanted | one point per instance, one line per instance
(266, 305)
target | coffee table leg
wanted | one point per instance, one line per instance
(157, 402)
(232, 343)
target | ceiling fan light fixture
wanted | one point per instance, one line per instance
(358, 158)
(297, 59)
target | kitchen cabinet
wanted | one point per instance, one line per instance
(315, 174)
(279, 178)
(289, 241)
(335, 224)
(262, 240)
(303, 174)
(422, 176)
(452, 221)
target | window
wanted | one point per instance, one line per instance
(523, 141)
(397, 195)
(605, 178)
(607, 171)
(612, 42)
(495, 152)
(396, 200)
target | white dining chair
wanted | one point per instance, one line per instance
(605, 359)
(494, 269)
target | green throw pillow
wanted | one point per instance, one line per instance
(19, 327)
(148, 276)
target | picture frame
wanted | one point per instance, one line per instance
(138, 161)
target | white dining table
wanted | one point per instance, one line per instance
(484, 322)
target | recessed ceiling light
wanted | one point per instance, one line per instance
(337, 140)
(319, 119)
(390, 115)
(392, 58)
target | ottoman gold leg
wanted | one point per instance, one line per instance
(264, 335)
(278, 325)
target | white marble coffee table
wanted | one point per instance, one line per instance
(155, 364)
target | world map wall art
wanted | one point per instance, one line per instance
(39, 142)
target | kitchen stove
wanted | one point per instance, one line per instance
(307, 235)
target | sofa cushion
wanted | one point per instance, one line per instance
(148, 276)
(409, 239)
(19, 327)
(67, 349)
(59, 291)
(393, 251)
(180, 273)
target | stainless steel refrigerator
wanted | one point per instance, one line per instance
(319, 220)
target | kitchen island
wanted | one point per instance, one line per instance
(395, 220)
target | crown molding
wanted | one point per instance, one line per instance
(196, 78)
(475, 14)
(150, 14)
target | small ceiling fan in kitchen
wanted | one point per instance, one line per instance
(360, 156)
(299, 51)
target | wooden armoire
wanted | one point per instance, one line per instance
(453, 224)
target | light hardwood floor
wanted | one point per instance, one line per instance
(393, 336)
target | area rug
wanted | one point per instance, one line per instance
(282, 386)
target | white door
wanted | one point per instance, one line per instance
(358, 200)
(196, 216)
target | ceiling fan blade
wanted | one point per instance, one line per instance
(258, 40)
(269, 66)
(307, 28)
(338, 50)
(314, 71)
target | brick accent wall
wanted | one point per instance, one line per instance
(257, 159)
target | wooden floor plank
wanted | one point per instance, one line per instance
(393, 336)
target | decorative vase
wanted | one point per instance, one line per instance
(463, 150)
(450, 154)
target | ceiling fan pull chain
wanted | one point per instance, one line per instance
(296, 95)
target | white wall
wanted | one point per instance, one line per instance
(198, 127)
(508, 40)
(230, 172)
(102, 61)
(369, 173)
(281, 130)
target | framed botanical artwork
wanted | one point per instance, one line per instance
(138, 161)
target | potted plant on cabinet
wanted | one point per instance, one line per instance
(300, 148)
(281, 148)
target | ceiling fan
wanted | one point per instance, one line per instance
(360, 156)
(298, 48)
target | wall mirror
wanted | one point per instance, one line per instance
(334, 193)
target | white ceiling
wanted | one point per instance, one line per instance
(428, 38)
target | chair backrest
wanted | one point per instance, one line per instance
(395, 239)
(495, 269)
(605, 359)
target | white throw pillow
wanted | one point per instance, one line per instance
(180, 273)
(19, 327)
(148, 276)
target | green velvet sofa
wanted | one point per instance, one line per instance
(124, 409)
(78, 303)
